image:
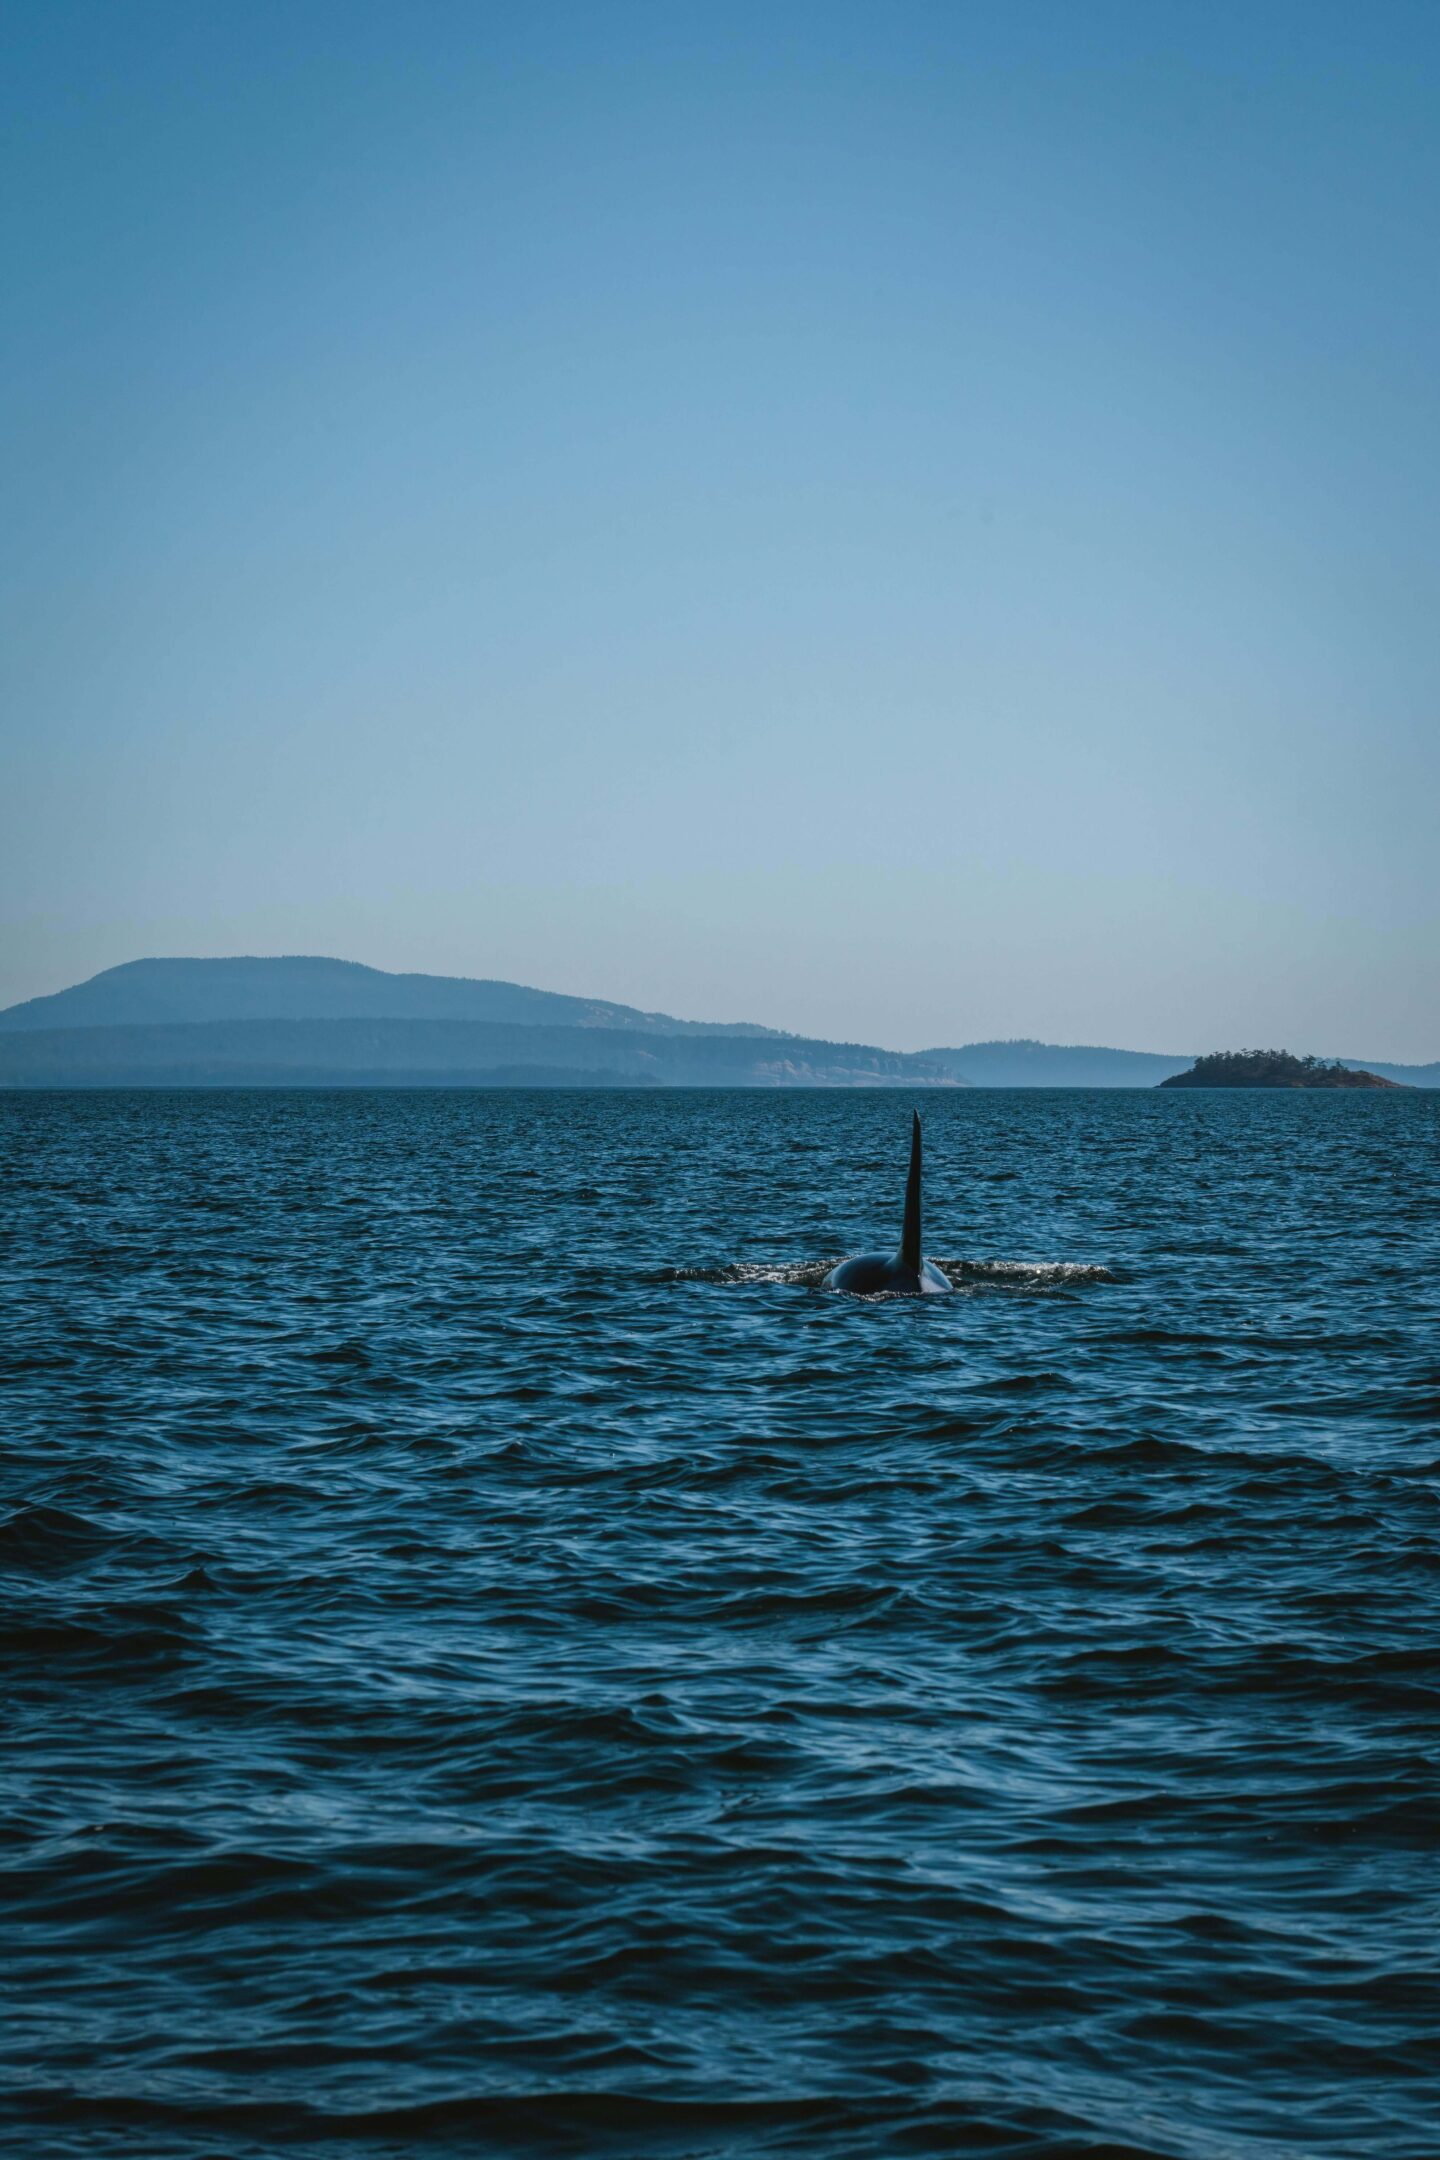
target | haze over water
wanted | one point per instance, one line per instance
(497, 1661)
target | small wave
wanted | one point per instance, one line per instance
(44, 1540)
(121, 1642)
(1016, 1275)
(1147, 1451)
(1024, 1274)
(804, 1275)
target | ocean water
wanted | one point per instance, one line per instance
(496, 1660)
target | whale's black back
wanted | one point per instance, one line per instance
(906, 1273)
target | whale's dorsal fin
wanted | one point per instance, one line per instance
(910, 1235)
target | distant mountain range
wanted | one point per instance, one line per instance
(182, 992)
(303, 1022)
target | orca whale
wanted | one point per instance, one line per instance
(906, 1273)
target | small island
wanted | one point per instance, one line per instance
(1272, 1069)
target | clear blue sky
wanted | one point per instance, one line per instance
(908, 522)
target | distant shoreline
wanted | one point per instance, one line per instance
(601, 1083)
(322, 1023)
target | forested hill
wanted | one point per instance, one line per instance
(1272, 1069)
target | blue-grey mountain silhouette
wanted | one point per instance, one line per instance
(158, 992)
(311, 1022)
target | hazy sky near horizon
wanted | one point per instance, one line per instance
(903, 522)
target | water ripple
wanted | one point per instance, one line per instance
(496, 1661)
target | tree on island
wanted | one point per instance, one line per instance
(1272, 1068)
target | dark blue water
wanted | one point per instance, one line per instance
(496, 1661)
